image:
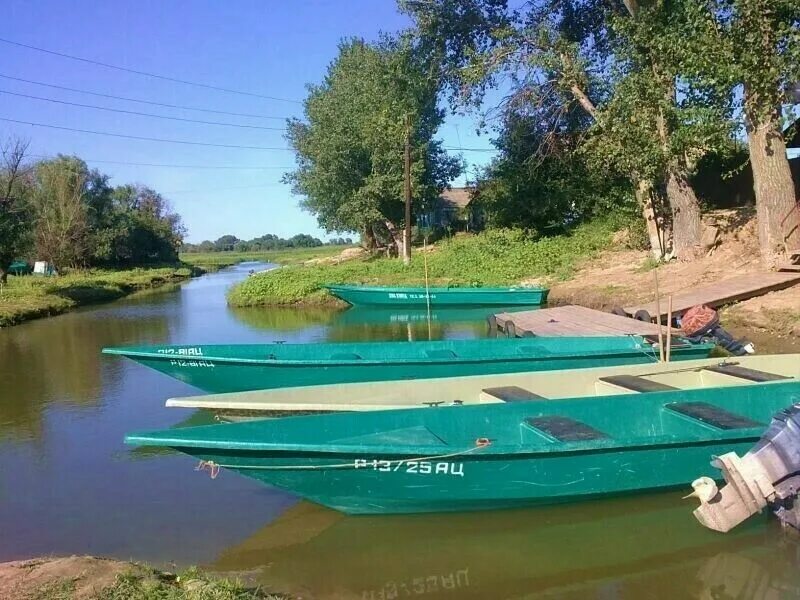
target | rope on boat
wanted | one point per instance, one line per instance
(214, 467)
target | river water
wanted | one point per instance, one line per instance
(69, 485)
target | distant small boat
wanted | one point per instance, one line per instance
(439, 296)
(628, 431)
(238, 368)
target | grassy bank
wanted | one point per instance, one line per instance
(90, 578)
(211, 261)
(505, 257)
(30, 297)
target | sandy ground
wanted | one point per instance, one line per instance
(86, 575)
(625, 277)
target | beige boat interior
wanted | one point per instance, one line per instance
(514, 387)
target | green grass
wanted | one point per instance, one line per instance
(191, 585)
(495, 257)
(218, 260)
(29, 296)
(144, 583)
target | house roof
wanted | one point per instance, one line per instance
(457, 197)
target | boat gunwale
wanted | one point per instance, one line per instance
(441, 452)
(432, 289)
(492, 449)
(647, 351)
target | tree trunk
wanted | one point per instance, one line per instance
(645, 197)
(778, 223)
(687, 227)
(3, 276)
(368, 240)
(397, 238)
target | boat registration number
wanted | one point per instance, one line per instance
(190, 363)
(418, 467)
(407, 296)
(182, 351)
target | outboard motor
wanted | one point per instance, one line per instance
(702, 322)
(767, 476)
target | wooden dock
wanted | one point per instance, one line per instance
(722, 292)
(571, 321)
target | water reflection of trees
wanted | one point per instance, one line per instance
(58, 361)
(284, 318)
(644, 546)
(367, 324)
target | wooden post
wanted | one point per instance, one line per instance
(669, 326)
(407, 194)
(658, 320)
(427, 286)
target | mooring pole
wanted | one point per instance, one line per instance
(407, 194)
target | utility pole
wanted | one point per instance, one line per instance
(407, 173)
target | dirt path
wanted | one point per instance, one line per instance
(625, 277)
(82, 576)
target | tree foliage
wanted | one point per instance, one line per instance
(15, 211)
(546, 192)
(269, 241)
(61, 211)
(610, 60)
(349, 146)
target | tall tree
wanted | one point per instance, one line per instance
(349, 146)
(579, 53)
(15, 216)
(61, 231)
(755, 45)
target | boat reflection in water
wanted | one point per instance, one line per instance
(635, 547)
(413, 324)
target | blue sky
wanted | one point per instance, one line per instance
(267, 47)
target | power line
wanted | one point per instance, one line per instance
(470, 149)
(138, 137)
(171, 166)
(146, 73)
(241, 187)
(180, 106)
(141, 114)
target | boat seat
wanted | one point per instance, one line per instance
(512, 393)
(443, 353)
(713, 415)
(637, 384)
(745, 373)
(346, 356)
(565, 429)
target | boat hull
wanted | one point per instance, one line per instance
(438, 297)
(490, 456)
(470, 483)
(205, 367)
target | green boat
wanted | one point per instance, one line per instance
(615, 433)
(387, 394)
(238, 368)
(439, 296)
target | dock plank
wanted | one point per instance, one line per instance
(723, 292)
(570, 320)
